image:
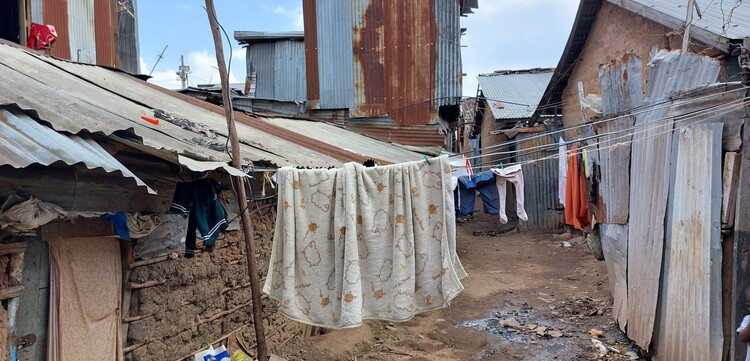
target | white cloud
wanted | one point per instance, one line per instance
(514, 34)
(294, 16)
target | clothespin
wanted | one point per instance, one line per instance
(501, 165)
(427, 160)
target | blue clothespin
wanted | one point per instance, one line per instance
(427, 160)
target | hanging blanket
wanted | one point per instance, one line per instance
(364, 243)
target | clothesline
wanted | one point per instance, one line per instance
(513, 154)
(637, 111)
(593, 146)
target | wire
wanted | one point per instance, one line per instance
(660, 123)
(667, 102)
(647, 127)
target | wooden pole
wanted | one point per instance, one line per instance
(741, 249)
(239, 182)
(688, 25)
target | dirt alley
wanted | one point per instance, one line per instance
(527, 297)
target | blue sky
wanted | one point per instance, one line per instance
(503, 34)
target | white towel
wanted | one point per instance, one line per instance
(364, 243)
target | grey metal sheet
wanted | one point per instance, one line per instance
(614, 238)
(260, 59)
(68, 103)
(348, 140)
(81, 31)
(335, 56)
(98, 83)
(514, 94)
(540, 183)
(620, 93)
(447, 81)
(26, 142)
(690, 322)
(37, 11)
(289, 64)
(649, 182)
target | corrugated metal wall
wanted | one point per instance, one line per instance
(379, 57)
(290, 71)
(81, 31)
(448, 75)
(335, 66)
(279, 68)
(127, 36)
(540, 182)
(260, 59)
(97, 32)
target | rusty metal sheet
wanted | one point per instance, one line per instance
(649, 182)
(417, 136)
(540, 183)
(690, 322)
(105, 26)
(56, 13)
(368, 31)
(621, 93)
(614, 238)
(309, 14)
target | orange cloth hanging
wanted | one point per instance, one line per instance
(576, 203)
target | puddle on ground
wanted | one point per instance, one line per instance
(565, 337)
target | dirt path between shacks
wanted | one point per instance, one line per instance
(526, 298)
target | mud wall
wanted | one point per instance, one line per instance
(180, 306)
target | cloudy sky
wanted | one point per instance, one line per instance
(503, 34)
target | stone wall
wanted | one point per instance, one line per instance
(200, 301)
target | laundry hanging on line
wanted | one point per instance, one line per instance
(362, 243)
(577, 212)
(484, 183)
(199, 202)
(513, 174)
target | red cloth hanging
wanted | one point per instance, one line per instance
(41, 36)
(576, 203)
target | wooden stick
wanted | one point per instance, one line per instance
(247, 227)
(131, 348)
(147, 262)
(10, 292)
(147, 284)
(137, 318)
(224, 313)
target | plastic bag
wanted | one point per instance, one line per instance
(241, 356)
(218, 354)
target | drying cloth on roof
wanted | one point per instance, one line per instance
(19, 215)
(199, 199)
(364, 243)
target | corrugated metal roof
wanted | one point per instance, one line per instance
(504, 88)
(250, 37)
(26, 142)
(669, 72)
(719, 20)
(74, 97)
(351, 141)
(691, 293)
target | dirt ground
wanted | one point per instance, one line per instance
(527, 297)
